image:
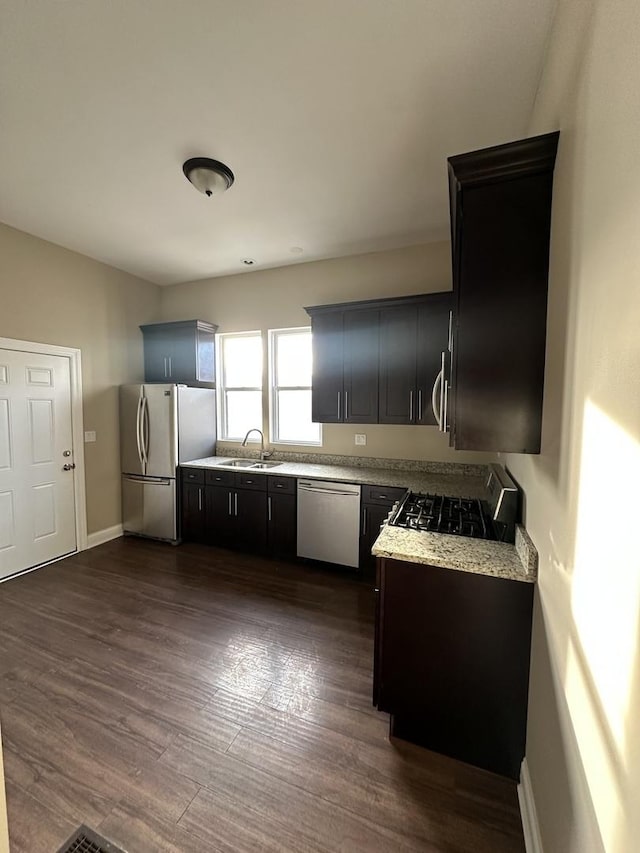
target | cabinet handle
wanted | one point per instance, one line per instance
(376, 589)
(339, 405)
(346, 405)
(235, 503)
(248, 482)
(445, 406)
(279, 486)
(229, 503)
(419, 404)
(199, 500)
(169, 367)
(269, 509)
(364, 521)
(410, 406)
(165, 367)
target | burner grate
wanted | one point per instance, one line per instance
(442, 514)
(85, 840)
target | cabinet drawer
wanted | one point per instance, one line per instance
(252, 481)
(386, 495)
(286, 485)
(220, 478)
(193, 475)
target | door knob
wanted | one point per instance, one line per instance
(68, 466)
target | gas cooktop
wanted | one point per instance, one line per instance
(493, 518)
(441, 514)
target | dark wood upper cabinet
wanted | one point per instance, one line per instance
(376, 361)
(345, 365)
(360, 367)
(327, 380)
(398, 360)
(181, 352)
(500, 202)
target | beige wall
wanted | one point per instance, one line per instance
(51, 295)
(584, 717)
(273, 299)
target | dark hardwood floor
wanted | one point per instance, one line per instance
(193, 699)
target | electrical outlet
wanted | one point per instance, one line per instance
(361, 438)
(89, 436)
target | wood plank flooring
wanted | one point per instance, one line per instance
(194, 699)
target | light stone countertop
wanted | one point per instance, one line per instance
(459, 553)
(456, 485)
(517, 562)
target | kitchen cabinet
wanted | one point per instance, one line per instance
(412, 337)
(376, 361)
(236, 512)
(281, 516)
(500, 202)
(239, 509)
(181, 352)
(452, 661)
(376, 503)
(345, 357)
(193, 518)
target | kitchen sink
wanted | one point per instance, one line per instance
(247, 463)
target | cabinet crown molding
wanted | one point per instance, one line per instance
(501, 162)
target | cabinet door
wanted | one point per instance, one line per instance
(281, 515)
(219, 511)
(250, 508)
(398, 342)
(193, 512)
(360, 360)
(327, 404)
(372, 516)
(205, 355)
(156, 355)
(453, 662)
(433, 340)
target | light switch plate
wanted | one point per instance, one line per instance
(89, 436)
(361, 438)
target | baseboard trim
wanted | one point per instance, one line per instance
(528, 813)
(102, 536)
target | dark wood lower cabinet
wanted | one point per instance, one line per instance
(281, 528)
(376, 504)
(452, 662)
(236, 517)
(193, 512)
(255, 513)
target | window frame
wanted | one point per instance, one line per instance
(274, 438)
(222, 388)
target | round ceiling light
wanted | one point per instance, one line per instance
(209, 177)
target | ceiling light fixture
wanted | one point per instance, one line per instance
(209, 177)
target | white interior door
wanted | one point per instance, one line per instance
(37, 502)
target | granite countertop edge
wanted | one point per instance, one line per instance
(517, 561)
(454, 484)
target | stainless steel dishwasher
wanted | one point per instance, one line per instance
(329, 521)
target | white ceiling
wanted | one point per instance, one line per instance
(336, 117)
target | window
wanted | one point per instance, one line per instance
(290, 375)
(240, 384)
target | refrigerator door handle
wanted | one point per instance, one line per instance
(145, 432)
(139, 430)
(148, 481)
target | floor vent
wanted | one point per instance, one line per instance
(85, 840)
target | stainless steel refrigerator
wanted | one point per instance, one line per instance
(160, 427)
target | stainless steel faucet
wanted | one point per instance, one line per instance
(264, 454)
